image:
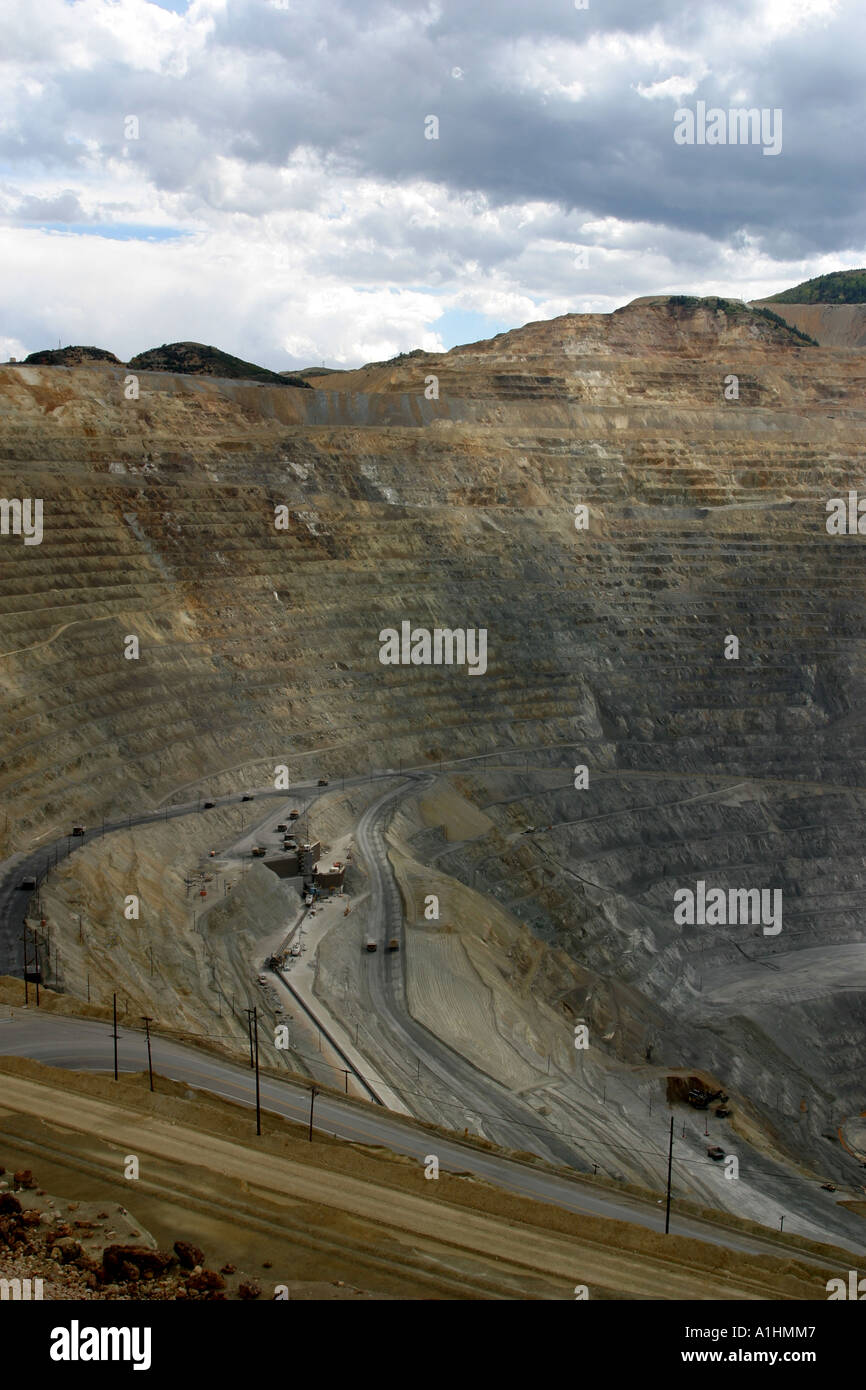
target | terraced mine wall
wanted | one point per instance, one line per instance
(831, 325)
(706, 519)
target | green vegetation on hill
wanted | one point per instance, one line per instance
(313, 371)
(401, 357)
(735, 308)
(199, 359)
(840, 287)
(69, 357)
(192, 359)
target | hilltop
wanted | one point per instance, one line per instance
(839, 287)
(313, 371)
(772, 327)
(829, 308)
(186, 359)
(70, 357)
(199, 359)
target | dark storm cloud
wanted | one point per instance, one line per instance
(355, 82)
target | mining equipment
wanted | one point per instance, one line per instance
(78, 829)
(207, 806)
(28, 884)
(282, 826)
(323, 781)
(371, 942)
(700, 1098)
(258, 852)
(716, 1153)
(293, 815)
(393, 944)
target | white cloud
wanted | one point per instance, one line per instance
(669, 89)
(288, 145)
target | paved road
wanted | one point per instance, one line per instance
(39, 862)
(86, 1045)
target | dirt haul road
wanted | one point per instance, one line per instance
(506, 1121)
(519, 1257)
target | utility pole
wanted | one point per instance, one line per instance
(254, 1014)
(250, 1033)
(313, 1094)
(670, 1163)
(147, 1023)
(79, 928)
(26, 983)
(114, 1008)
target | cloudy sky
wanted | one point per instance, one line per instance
(257, 174)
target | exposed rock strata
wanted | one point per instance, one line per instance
(706, 518)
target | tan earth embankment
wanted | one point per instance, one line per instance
(831, 325)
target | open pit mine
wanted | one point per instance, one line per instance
(479, 740)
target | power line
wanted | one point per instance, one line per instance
(543, 1130)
